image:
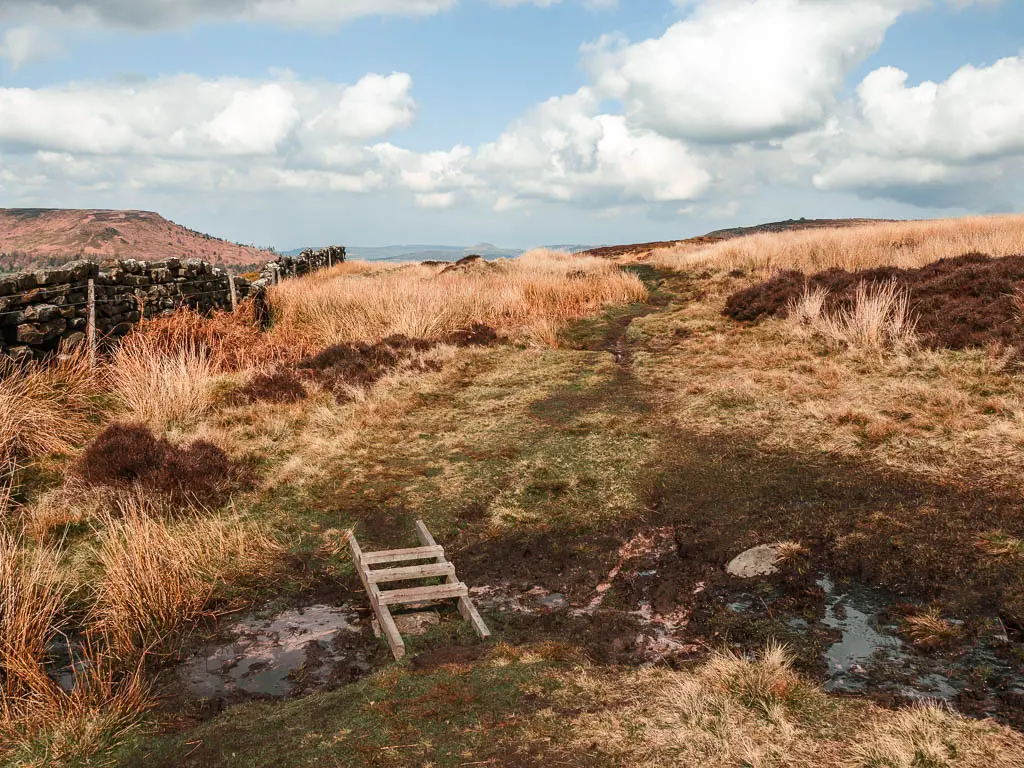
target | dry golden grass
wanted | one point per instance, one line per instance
(41, 724)
(160, 387)
(32, 598)
(525, 299)
(879, 319)
(105, 707)
(158, 578)
(733, 712)
(902, 244)
(999, 544)
(233, 341)
(933, 736)
(43, 407)
(71, 503)
(938, 413)
(789, 550)
(929, 630)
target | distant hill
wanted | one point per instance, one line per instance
(613, 251)
(791, 224)
(32, 238)
(436, 252)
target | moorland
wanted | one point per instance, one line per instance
(593, 438)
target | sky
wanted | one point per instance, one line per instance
(517, 122)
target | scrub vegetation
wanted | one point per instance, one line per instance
(606, 433)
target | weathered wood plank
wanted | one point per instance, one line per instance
(411, 572)
(466, 607)
(394, 637)
(400, 555)
(384, 619)
(423, 594)
(425, 537)
(470, 614)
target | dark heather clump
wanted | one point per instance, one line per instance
(478, 334)
(128, 454)
(362, 364)
(283, 386)
(963, 302)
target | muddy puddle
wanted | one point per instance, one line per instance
(294, 652)
(65, 661)
(851, 632)
(869, 654)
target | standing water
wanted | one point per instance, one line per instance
(300, 649)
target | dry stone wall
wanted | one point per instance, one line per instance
(41, 310)
(308, 261)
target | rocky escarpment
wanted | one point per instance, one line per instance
(41, 310)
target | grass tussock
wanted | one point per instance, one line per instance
(44, 407)
(158, 578)
(934, 736)
(879, 318)
(40, 723)
(231, 341)
(902, 244)
(929, 630)
(32, 598)
(73, 503)
(732, 711)
(1000, 544)
(525, 299)
(161, 387)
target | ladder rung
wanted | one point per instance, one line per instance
(411, 572)
(423, 594)
(400, 555)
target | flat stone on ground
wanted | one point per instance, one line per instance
(415, 624)
(759, 561)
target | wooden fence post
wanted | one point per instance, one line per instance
(277, 274)
(90, 328)
(234, 293)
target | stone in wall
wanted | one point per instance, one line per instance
(40, 310)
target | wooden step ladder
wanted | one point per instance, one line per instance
(439, 567)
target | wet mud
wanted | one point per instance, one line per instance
(295, 652)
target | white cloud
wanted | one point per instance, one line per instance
(186, 116)
(975, 114)
(153, 14)
(561, 151)
(738, 70)
(564, 150)
(163, 13)
(190, 133)
(738, 97)
(910, 142)
(438, 200)
(20, 45)
(427, 172)
(256, 120)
